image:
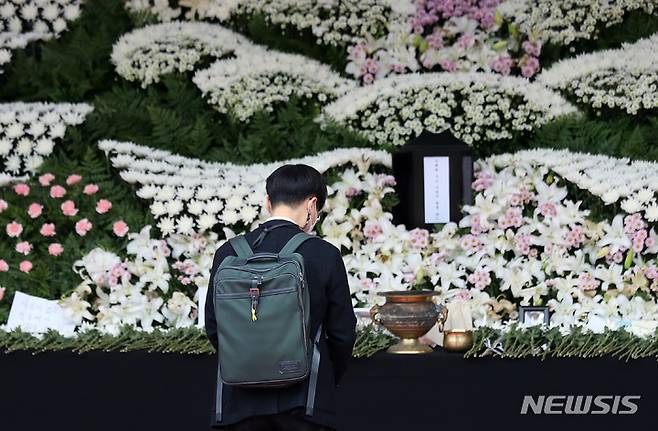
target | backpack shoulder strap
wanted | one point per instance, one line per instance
(294, 242)
(241, 246)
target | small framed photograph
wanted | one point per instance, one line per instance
(534, 315)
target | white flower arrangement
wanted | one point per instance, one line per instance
(258, 79)
(331, 22)
(191, 196)
(12, 41)
(24, 21)
(631, 184)
(159, 8)
(150, 52)
(129, 291)
(523, 241)
(566, 21)
(473, 106)
(221, 10)
(29, 131)
(624, 78)
(44, 17)
(335, 23)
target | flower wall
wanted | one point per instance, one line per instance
(137, 138)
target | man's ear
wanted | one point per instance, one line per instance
(268, 204)
(313, 200)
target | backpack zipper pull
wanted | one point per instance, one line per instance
(255, 293)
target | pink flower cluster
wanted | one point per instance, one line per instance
(36, 210)
(420, 238)
(636, 229)
(429, 12)
(386, 181)
(528, 63)
(483, 180)
(429, 23)
(24, 266)
(587, 282)
(651, 272)
(522, 241)
(366, 67)
(188, 268)
(476, 225)
(372, 229)
(471, 243)
(547, 209)
(616, 257)
(351, 192)
(112, 278)
(481, 278)
(513, 217)
(575, 236)
(523, 197)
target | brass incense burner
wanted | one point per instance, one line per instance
(457, 340)
(409, 314)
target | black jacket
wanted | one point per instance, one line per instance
(330, 304)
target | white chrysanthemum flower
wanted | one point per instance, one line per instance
(624, 78)
(25, 130)
(631, 206)
(244, 201)
(446, 101)
(257, 79)
(152, 51)
(652, 213)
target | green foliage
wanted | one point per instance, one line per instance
(52, 276)
(623, 136)
(290, 40)
(72, 68)
(172, 115)
(543, 342)
(191, 340)
(636, 25)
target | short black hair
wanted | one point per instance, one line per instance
(291, 184)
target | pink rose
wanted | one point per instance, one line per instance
(25, 266)
(3, 205)
(14, 229)
(120, 228)
(55, 249)
(90, 189)
(22, 189)
(68, 208)
(45, 179)
(47, 229)
(34, 210)
(57, 192)
(2, 293)
(103, 206)
(83, 226)
(72, 179)
(4, 266)
(24, 247)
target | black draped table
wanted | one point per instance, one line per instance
(142, 391)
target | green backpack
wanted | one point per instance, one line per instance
(262, 307)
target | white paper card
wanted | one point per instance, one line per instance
(201, 303)
(437, 189)
(37, 315)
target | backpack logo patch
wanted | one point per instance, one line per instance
(286, 367)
